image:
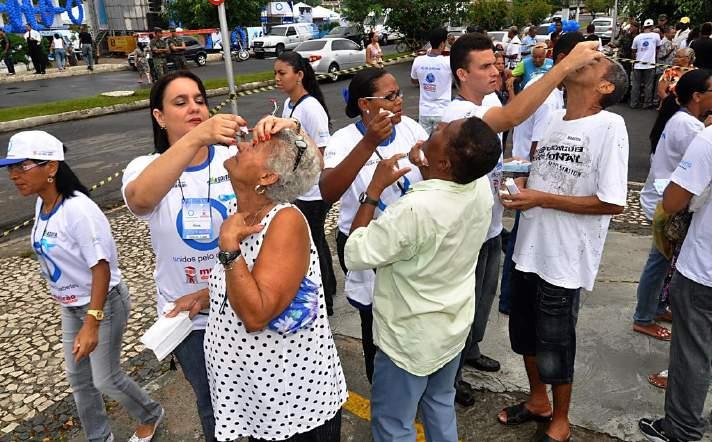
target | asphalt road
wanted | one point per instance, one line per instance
(46, 90)
(98, 147)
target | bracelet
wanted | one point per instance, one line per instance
(298, 123)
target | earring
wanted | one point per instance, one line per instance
(50, 179)
(260, 189)
(163, 127)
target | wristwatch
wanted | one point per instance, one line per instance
(227, 258)
(364, 199)
(97, 314)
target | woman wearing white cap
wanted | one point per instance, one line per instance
(77, 255)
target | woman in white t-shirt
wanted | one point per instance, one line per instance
(682, 121)
(350, 160)
(77, 256)
(58, 47)
(295, 77)
(183, 192)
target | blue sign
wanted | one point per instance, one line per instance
(45, 9)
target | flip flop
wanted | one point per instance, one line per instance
(519, 414)
(659, 379)
(654, 331)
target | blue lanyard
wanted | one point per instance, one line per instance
(361, 126)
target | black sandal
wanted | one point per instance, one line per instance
(519, 414)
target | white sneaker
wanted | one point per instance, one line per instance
(109, 438)
(135, 438)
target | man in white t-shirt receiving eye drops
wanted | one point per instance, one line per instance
(432, 73)
(645, 47)
(577, 181)
(472, 63)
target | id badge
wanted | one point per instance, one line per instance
(197, 219)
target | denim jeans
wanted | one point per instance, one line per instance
(101, 372)
(429, 123)
(650, 288)
(690, 359)
(88, 55)
(505, 288)
(191, 357)
(397, 394)
(642, 78)
(60, 56)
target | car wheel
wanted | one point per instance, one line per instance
(259, 55)
(278, 50)
(333, 69)
(201, 59)
(243, 55)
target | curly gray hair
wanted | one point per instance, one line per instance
(292, 182)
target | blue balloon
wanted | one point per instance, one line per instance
(46, 10)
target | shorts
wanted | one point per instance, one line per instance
(542, 323)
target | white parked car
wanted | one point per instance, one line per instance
(328, 55)
(604, 27)
(282, 38)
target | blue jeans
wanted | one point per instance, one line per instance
(60, 56)
(505, 291)
(396, 395)
(650, 287)
(191, 357)
(88, 55)
(101, 372)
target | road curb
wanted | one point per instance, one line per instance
(26, 123)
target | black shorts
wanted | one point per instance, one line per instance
(542, 323)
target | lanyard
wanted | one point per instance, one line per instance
(362, 128)
(304, 97)
(180, 186)
(44, 231)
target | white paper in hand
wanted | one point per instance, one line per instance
(166, 333)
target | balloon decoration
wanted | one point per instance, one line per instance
(567, 26)
(45, 9)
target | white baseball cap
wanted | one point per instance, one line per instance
(648, 22)
(33, 145)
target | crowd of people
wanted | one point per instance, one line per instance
(236, 218)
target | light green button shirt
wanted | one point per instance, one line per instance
(425, 248)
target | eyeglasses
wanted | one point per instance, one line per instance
(393, 96)
(301, 144)
(24, 167)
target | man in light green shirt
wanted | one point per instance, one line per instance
(424, 247)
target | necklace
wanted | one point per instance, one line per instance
(251, 219)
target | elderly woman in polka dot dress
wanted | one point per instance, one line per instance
(272, 365)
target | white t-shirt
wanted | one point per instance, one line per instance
(514, 47)
(459, 109)
(694, 174)
(68, 242)
(359, 284)
(646, 45)
(34, 35)
(435, 80)
(674, 141)
(316, 124)
(183, 265)
(532, 129)
(583, 157)
(680, 39)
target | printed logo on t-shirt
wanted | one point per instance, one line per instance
(685, 164)
(48, 267)
(219, 179)
(205, 274)
(190, 277)
(563, 159)
(430, 85)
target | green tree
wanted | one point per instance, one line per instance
(197, 14)
(313, 2)
(490, 14)
(698, 11)
(525, 12)
(416, 18)
(356, 11)
(596, 6)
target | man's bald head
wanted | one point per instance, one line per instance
(539, 55)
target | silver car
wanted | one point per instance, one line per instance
(604, 27)
(328, 55)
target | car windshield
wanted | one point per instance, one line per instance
(601, 22)
(338, 30)
(313, 45)
(279, 32)
(496, 36)
(542, 30)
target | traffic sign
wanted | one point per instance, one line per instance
(216, 2)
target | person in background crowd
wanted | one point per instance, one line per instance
(567, 204)
(374, 54)
(683, 31)
(558, 30)
(529, 41)
(381, 131)
(531, 67)
(424, 247)
(286, 383)
(691, 296)
(684, 58)
(664, 56)
(514, 46)
(295, 77)
(679, 121)
(176, 47)
(703, 47)
(694, 35)
(590, 35)
(185, 175)
(78, 258)
(86, 42)
(505, 88)
(472, 63)
(34, 47)
(141, 57)
(58, 47)
(6, 52)
(431, 72)
(663, 21)
(624, 44)
(159, 53)
(644, 48)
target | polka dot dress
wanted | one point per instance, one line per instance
(265, 384)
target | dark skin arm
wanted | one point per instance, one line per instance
(583, 205)
(675, 198)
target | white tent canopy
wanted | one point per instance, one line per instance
(320, 12)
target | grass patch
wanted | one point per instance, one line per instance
(76, 104)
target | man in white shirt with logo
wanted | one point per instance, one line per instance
(691, 298)
(472, 63)
(577, 181)
(432, 73)
(514, 48)
(645, 47)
